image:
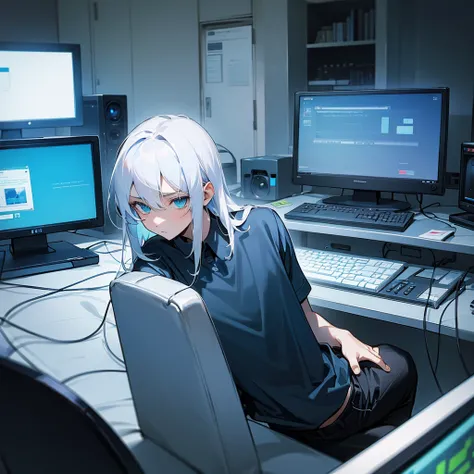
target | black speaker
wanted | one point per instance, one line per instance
(105, 115)
(268, 178)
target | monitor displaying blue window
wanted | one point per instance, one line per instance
(453, 455)
(46, 185)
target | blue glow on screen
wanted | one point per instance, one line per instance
(46, 185)
(374, 135)
(453, 455)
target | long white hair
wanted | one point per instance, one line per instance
(178, 149)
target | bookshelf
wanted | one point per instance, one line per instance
(341, 44)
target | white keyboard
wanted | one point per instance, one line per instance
(347, 271)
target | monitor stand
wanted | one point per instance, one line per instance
(463, 219)
(11, 134)
(34, 255)
(370, 199)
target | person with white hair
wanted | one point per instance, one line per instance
(294, 370)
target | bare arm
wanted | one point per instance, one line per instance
(352, 349)
(323, 330)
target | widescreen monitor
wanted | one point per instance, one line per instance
(40, 86)
(372, 141)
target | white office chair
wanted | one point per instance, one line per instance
(182, 387)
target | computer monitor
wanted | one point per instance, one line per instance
(466, 188)
(47, 185)
(40, 86)
(438, 440)
(372, 141)
(454, 453)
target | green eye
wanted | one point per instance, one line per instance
(180, 202)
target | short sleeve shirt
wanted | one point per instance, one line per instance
(254, 299)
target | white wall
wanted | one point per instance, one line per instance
(271, 37)
(165, 58)
(297, 57)
(164, 54)
(28, 20)
(212, 10)
(74, 27)
(280, 68)
(445, 59)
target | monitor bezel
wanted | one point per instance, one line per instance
(370, 183)
(462, 203)
(423, 445)
(413, 439)
(75, 50)
(98, 221)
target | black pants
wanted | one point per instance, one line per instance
(377, 398)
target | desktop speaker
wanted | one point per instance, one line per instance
(105, 115)
(268, 178)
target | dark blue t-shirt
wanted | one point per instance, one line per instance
(254, 299)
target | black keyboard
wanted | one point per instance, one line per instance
(352, 216)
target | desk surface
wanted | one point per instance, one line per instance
(72, 315)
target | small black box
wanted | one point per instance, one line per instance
(268, 178)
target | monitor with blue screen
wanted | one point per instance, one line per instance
(372, 141)
(47, 185)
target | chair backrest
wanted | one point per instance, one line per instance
(182, 388)
(46, 428)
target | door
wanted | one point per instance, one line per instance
(228, 89)
(112, 50)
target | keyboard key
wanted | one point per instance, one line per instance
(347, 271)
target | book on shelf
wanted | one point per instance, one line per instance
(371, 24)
(329, 82)
(358, 26)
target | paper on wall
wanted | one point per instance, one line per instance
(214, 68)
(239, 72)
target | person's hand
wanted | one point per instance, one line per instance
(356, 351)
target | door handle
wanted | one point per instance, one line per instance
(208, 107)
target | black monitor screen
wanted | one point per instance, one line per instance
(375, 135)
(469, 181)
(49, 184)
